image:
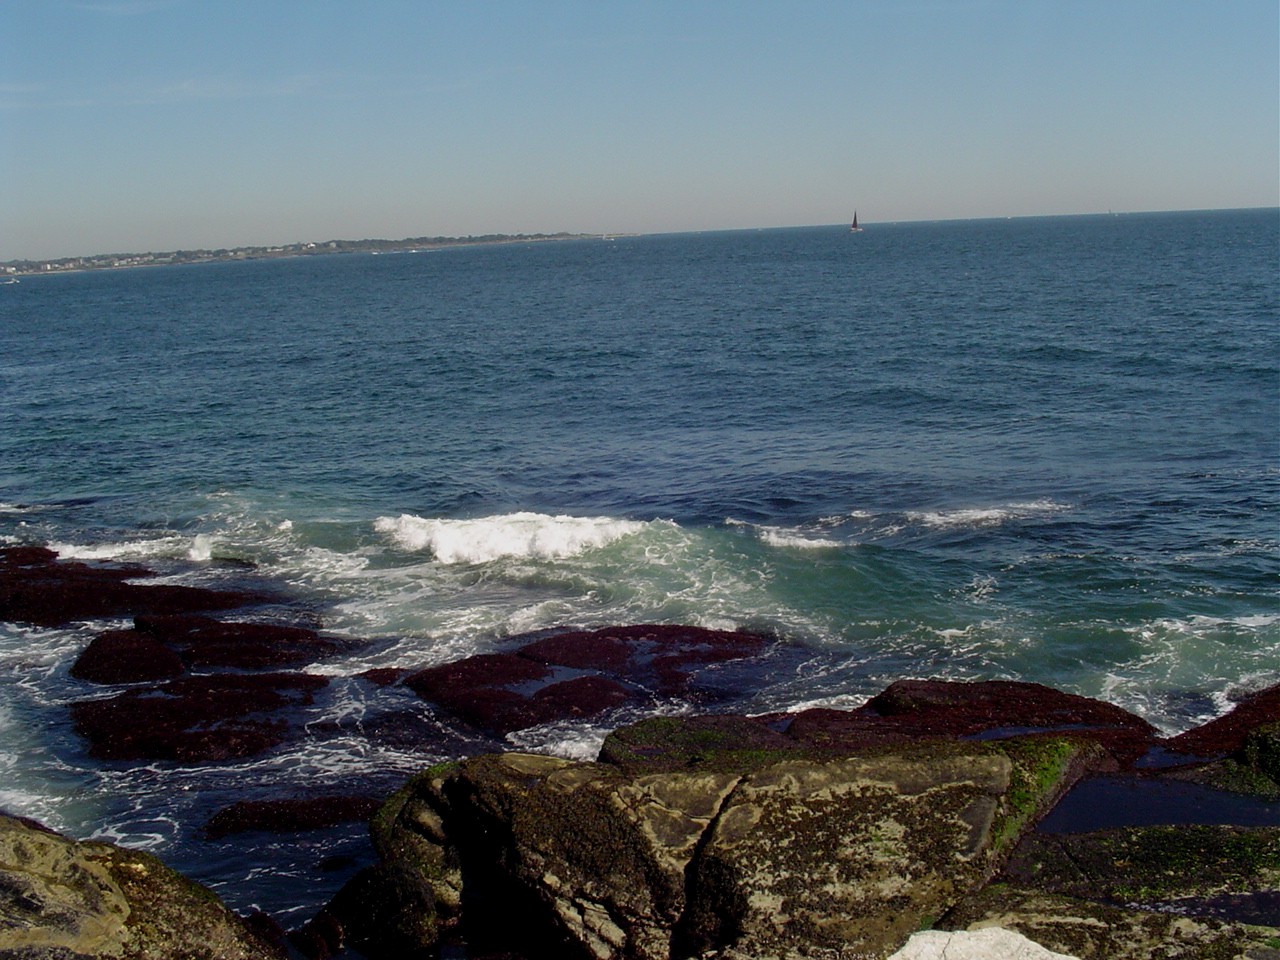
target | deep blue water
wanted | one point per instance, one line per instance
(1043, 449)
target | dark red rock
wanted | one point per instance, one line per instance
(594, 650)
(124, 656)
(37, 588)
(606, 668)
(642, 649)
(194, 718)
(703, 741)
(483, 670)
(827, 728)
(412, 730)
(992, 709)
(1227, 733)
(495, 709)
(290, 815)
(579, 697)
(206, 642)
(478, 690)
(384, 676)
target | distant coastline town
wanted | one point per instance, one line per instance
(117, 261)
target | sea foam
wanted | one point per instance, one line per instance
(986, 516)
(486, 539)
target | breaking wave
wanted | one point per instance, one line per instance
(485, 539)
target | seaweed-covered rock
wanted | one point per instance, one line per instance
(290, 814)
(1091, 930)
(992, 709)
(586, 860)
(37, 587)
(579, 674)
(858, 853)
(192, 718)
(79, 900)
(1228, 733)
(1202, 870)
(1239, 751)
(125, 656)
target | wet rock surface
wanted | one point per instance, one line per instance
(580, 674)
(74, 900)
(291, 814)
(734, 837)
(194, 718)
(38, 588)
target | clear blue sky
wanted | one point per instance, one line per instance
(135, 125)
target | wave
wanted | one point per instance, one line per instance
(196, 548)
(986, 516)
(795, 538)
(532, 535)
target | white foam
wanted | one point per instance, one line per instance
(201, 548)
(530, 535)
(986, 516)
(160, 547)
(795, 539)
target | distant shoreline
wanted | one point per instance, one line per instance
(123, 261)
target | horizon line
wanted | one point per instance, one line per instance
(477, 239)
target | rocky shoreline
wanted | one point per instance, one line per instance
(1000, 816)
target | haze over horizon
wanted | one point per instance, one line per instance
(155, 125)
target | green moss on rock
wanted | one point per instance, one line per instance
(62, 897)
(1097, 931)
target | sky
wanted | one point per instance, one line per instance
(155, 125)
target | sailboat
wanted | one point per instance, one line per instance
(854, 228)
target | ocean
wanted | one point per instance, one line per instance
(1042, 449)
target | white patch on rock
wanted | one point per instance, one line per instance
(991, 943)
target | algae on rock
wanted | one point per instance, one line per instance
(784, 855)
(62, 897)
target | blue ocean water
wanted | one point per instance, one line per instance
(1043, 449)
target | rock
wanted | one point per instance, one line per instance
(77, 900)
(590, 860)
(1239, 752)
(660, 657)
(384, 912)
(161, 646)
(291, 814)
(1201, 870)
(1097, 931)
(725, 742)
(125, 656)
(1227, 734)
(993, 709)
(38, 588)
(1260, 751)
(578, 674)
(989, 943)
(192, 718)
(906, 712)
(205, 642)
(859, 853)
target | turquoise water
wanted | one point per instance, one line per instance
(1042, 449)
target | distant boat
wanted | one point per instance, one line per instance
(854, 228)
